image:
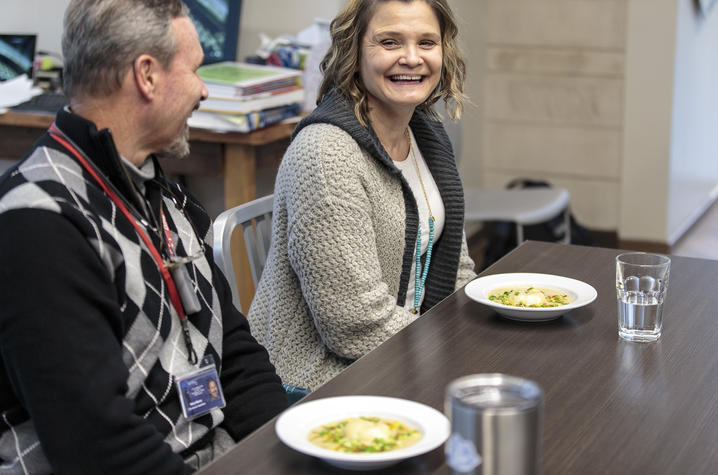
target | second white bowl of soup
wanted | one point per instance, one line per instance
(529, 296)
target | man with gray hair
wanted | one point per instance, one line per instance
(114, 316)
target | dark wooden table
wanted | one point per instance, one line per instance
(611, 407)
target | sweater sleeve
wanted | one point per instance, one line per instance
(465, 273)
(60, 334)
(333, 247)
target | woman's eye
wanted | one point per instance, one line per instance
(427, 44)
(389, 43)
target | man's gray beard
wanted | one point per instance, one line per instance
(179, 148)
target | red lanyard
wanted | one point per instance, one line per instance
(165, 226)
(56, 134)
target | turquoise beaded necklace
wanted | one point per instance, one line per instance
(419, 282)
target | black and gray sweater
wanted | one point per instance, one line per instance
(89, 341)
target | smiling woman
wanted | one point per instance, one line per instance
(401, 60)
(368, 206)
(340, 64)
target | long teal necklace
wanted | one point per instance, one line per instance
(419, 282)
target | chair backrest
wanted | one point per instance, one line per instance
(255, 219)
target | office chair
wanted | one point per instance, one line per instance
(523, 207)
(255, 219)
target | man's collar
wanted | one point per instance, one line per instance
(99, 147)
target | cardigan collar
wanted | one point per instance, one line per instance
(436, 148)
(336, 110)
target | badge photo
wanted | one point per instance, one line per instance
(200, 391)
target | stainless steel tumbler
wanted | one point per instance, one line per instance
(495, 425)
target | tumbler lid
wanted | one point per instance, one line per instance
(495, 392)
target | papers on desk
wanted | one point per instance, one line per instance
(244, 122)
(252, 103)
(17, 90)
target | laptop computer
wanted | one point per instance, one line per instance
(17, 54)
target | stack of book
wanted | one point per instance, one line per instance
(245, 97)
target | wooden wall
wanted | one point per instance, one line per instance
(553, 99)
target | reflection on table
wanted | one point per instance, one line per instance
(610, 406)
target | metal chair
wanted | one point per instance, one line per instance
(522, 206)
(255, 219)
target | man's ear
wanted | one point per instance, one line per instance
(146, 75)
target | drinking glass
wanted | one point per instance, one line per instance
(641, 284)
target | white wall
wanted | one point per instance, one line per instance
(648, 101)
(693, 182)
(468, 138)
(41, 17)
(280, 17)
(670, 158)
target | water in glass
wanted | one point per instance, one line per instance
(640, 308)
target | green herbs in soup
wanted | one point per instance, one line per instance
(364, 434)
(530, 297)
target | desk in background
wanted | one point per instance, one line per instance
(231, 156)
(610, 406)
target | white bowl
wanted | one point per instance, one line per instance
(581, 293)
(294, 425)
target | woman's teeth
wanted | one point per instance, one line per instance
(406, 77)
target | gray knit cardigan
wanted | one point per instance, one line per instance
(343, 235)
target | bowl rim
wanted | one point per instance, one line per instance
(479, 289)
(293, 431)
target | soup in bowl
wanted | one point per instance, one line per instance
(364, 434)
(530, 296)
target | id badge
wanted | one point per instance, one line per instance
(200, 391)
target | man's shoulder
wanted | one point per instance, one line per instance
(41, 180)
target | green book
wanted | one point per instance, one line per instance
(244, 78)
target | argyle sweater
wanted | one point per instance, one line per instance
(90, 343)
(344, 230)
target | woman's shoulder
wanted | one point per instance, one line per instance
(324, 160)
(324, 137)
(323, 144)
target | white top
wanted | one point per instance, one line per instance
(408, 169)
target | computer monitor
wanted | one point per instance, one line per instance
(217, 24)
(17, 53)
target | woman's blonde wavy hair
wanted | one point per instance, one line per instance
(339, 66)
